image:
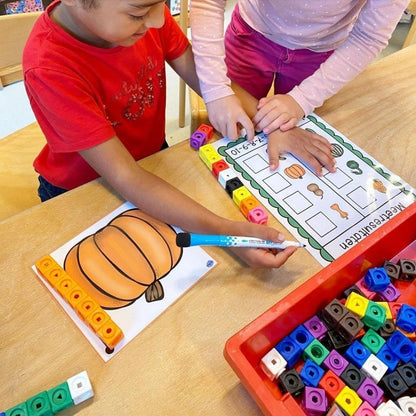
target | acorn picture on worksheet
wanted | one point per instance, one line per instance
(124, 260)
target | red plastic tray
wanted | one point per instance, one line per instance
(244, 350)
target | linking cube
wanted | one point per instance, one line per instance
(369, 294)
(389, 408)
(198, 139)
(388, 357)
(248, 204)
(240, 194)
(370, 392)
(333, 312)
(232, 185)
(218, 166)
(350, 326)
(311, 373)
(390, 294)
(357, 304)
(357, 354)
(332, 384)
(316, 352)
(258, 215)
(39, 405)
(316, 327)
(377, 279)
(289, 350)
(348, 400)
(375, 315)
(406, 318)
(335, 362)
(408, 374)
(352, 377)
(206, 129)
(392, 269)
(224, 176)
(273, 364)
(365, 410)
(374, 368)
(407, 404)
(401, 346)
(387, 329)
(373, 341)
(290, 382)
(209, 155)
(301, 336)
(201, 136)
(407, 269)
(60, 397)
(314, 401)
(393, 385)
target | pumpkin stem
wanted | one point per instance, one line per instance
(154, 292)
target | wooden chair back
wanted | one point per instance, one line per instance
(411, 36)
(14, 31)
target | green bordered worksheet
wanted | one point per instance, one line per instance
(331, 213)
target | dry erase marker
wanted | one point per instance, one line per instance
(188, 239)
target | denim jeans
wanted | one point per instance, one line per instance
(47, 191)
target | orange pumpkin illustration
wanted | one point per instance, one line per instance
(295, 171)
(124, 259)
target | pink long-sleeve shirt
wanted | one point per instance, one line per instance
(358, 30)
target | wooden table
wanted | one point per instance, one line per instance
(176, 365)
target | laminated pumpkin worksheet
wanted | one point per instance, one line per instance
(330, 213)
(130, 265)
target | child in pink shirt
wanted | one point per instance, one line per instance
(307, 50)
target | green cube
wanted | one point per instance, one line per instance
(375, 315)
(316, 352)
(373, 341)
(60, 397)
(19, 410)
(39, 405)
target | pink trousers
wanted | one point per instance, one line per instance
(255, 62)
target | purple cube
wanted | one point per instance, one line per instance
(197, 139)
(390, 294)
(316, 327)
(370, 392)
(314, 401)
(335, 362)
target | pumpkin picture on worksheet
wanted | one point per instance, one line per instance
(124, 260)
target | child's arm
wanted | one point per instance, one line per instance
(310, 147)
(184, 66)
(161, 200)
(225, 110)
(224, 113)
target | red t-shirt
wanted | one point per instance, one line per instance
(83, 95)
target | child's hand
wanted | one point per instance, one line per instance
(259, 257)
(228, 116)
(280, 111)
(310, 147)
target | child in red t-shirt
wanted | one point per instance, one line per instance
(95, 76)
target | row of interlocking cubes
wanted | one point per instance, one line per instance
(357, 354)
(71, 392)
(248, 204)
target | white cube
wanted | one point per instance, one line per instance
(273, 364)
(80, 387)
